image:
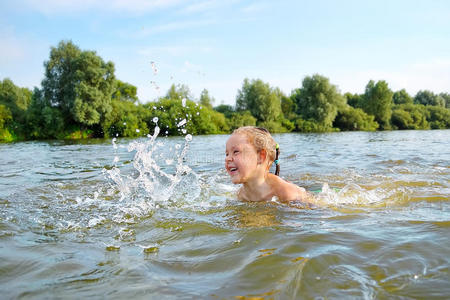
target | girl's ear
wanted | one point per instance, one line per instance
(262, 155)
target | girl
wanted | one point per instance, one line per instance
(250, 151)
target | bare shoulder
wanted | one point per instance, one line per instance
(287, 191)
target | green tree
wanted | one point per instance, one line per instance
(288, 107)
(377, 101)
(402, 97)
(242, 118)
(446, 97)
(354, 100)
(206, 100)
(410, 116)
(351, 118)
(439, 117)
(124, 91)
(79, 83)
(5, 116)
(429, 98)
(179, 92)
(225, 109)
(43, 120)
(260, 99)
(318, 100)
(16, 99)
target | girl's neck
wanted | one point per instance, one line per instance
(257, 188)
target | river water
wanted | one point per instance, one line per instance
(156, 218)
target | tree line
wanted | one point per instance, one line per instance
(80, 97)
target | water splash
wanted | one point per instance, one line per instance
(156, 179)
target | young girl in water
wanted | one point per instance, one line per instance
(250, 151)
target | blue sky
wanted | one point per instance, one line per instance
(216, 44)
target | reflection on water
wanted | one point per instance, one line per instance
(157, 217)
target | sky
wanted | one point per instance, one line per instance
(215, 45)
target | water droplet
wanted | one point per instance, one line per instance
(154, 107)
(183, 131)
(188, 138)
(177, 146)
(155, 120)
(167, 132)
(183, 102)
(124, 123)
(137, 130)
(198, 113)
(182, 122)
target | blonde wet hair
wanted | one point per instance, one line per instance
(261, 139)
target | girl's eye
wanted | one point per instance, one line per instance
(236, 151)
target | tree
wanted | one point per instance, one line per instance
(225, 109)
(402, 97)
(354, 100)
(288, 107)
(377, 101)
(318, 100)
(429, 98)
(16, 99)
(124, 91)
(179, 92)
(260, 99)
(43, 120)
(206, 100)
(410, 116)
(5, 116)
(242, 118)
(351, 118)
(446, 97)
(439, 117)
(79, 83)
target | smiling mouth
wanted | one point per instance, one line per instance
(232, 170)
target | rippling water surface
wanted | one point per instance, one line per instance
(157, 218)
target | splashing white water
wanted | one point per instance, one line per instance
(154, 183)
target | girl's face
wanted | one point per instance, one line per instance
(241, 159)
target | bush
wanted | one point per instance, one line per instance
(351, 118)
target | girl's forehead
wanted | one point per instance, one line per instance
(237, 139)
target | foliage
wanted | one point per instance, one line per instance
(227, 110)
(438, 117)
(354, 100)
(16, 99)
(288, 107)
(43, 120)
(206, 100)
(179, 92)
(429, 98)
(242, 118)
(310, 126)
(402, 97)
(79, 83)
(318, 100)
(446, 97)
(81, 98)
(260, 99)
(350, 118)
(124, 91)
(409, 116)
(5, 116)
(377, 101)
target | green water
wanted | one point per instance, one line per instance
(91, 219)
